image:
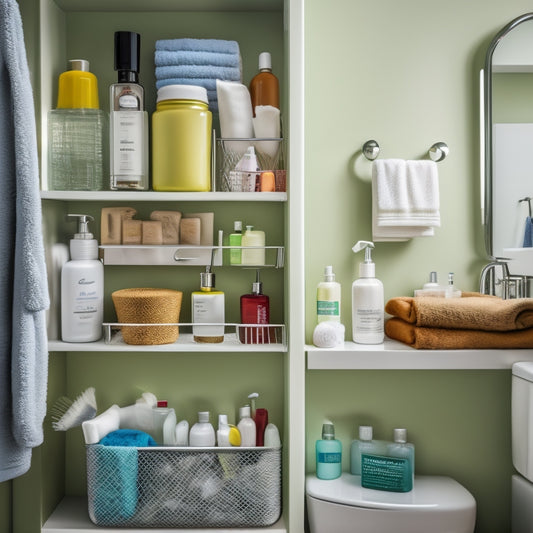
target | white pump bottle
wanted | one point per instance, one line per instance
(82, 287)
(367, 300)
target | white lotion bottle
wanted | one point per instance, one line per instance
(367, 300)
(253, 243)
(82, 287)
(202, 433)
(246, 426)
(328, 298)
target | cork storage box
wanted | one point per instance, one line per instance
(148, 306)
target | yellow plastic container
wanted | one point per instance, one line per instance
(181, 140)
(78, 88)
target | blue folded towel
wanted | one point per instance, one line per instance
(528, 234)
(199, 45)
(198, 71)
(128, 437)
(192, 57)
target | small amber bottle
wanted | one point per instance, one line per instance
(264, 87)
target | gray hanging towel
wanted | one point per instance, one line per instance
(23, 281)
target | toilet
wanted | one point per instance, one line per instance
(522, 447)
(436, 504)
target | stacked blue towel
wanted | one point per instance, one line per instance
(197, 62)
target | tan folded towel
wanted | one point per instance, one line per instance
(456, 339)
(475, 312)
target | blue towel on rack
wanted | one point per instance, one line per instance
(196, 57)
(23, 280)
(198, 71)
(199, 45)
(528, 234)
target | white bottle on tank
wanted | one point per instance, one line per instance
(82, 288)
(367, 300)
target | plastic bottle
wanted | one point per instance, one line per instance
(82, 287)
(246, 177)
(227, 434)
(328, 454)
(365, 444)
(77, 133)
(164, 424)
(202, 433)
(328, 298)
(254, 238)
(182, 433)
(264, 86)
(208, 307)
(367, 300)
(404, 450)
(247, 427)
(255, 309)
(235, 239)
(261, 422)
(129, 120)
(181, 139)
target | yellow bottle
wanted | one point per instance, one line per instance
(77, 87)
(181, 140)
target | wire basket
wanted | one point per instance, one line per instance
(183, 487)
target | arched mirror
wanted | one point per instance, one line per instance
(508, 165)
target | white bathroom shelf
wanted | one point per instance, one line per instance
(71, 516)
(394, 355)
(154, 196)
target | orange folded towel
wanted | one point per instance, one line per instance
(473, 312)
(456, 339)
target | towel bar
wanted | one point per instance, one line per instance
(437, 152)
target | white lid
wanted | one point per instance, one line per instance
(244, 412)
(182, 92)
(203, 416)
(524, 370)
(265, 61)
(222, 420)
(429, 493)
(367, 270)
(400, 435)
(365, 432)
(328, 274)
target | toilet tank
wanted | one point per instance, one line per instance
(522, 418)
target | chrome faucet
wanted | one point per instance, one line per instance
(489, 278)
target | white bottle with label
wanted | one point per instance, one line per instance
(328, 298)
(82, 288)
(367, 300)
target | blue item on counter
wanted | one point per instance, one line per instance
(528, 233)
(128, 437)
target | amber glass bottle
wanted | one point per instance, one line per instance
(264, 87)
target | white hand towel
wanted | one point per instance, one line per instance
(401, 209)
(267, 124)
(407, 193)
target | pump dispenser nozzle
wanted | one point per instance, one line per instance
(83, 245)
(83, 226)
(368, 268)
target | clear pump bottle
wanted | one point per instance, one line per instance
(208, 307)
(129, 120)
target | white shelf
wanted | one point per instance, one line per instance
(394, 355)
(153, 196)
(185, 343)
(71, 516)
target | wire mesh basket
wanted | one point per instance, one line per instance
(183, 487)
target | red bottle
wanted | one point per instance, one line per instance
(255, 309)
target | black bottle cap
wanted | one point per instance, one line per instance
(127, 55)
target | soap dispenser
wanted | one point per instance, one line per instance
(82, 287)
(208, 307)
(367, 300)
(255, 309)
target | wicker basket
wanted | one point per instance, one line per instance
(148, 306)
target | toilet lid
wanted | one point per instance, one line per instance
(428, 492)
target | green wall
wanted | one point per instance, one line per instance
(407, 75)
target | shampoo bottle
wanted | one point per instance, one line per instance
(129, 120)
(235, 239)
(202, 433)
(247, 427)
(256, 240)
(264, 86)
(328, 454)
(82, 288)
(404, 450)
(208, 307)
(255, 309)
(164, 424)
(367, 300)
(364, 445)
(328, 298)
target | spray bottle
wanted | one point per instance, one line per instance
(367, 300)
(82, 287)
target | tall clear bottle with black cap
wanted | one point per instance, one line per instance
(129, 120)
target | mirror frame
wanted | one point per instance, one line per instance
(487, 119)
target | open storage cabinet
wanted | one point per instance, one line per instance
(217, 378)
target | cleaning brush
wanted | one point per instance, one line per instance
(67, 414)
